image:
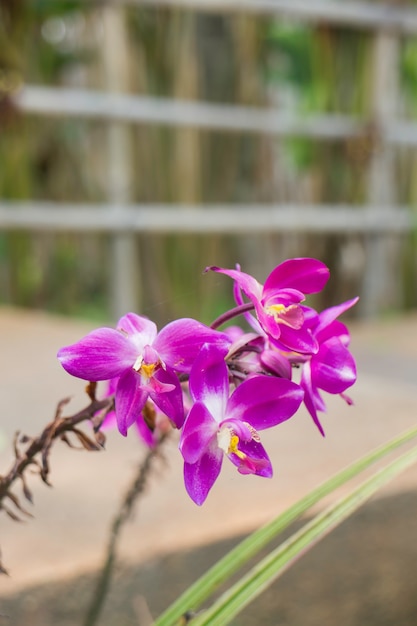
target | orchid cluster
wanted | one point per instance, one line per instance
(221, 388)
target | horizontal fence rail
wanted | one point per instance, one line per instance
(126, 108)
(96, 105)
(230, 219)
(363, 15)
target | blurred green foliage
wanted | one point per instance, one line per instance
(174, 53)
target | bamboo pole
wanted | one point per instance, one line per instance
(380, 284)
(124, 278)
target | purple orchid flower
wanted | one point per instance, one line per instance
(332, 368)
(218, 424)
(144, 361)
(278, 302)
(150, 424)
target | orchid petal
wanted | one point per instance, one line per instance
(285, 296)
(276, 363)
(102, 354)
(129, 401)
(333, 368)
(198, 431)
(209, 382)
(179, 342)
(165, 390)
(301, 340)
(251, 320)
(312, 399)
(305, 274)
(247, 283)
(145, 432)
(264, 401)
(334, 329)
(140, 330)
(328, 315)
(255, 459)
(200, 477)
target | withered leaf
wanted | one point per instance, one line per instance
(100, 438)
(17, 504)
(86, 442)
(26, 491)
(12, 515)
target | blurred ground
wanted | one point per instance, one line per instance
(64, 542)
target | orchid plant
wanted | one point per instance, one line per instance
(220, 389)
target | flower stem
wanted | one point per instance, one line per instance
(228, 315)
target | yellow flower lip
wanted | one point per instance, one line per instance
(146, 370)
(228, 441)
(291, 315)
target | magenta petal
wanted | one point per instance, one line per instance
(170, 402)
(199, 430)
(199, 477)
(312, 398)
(264, 401)
(145, 432)
(256, 459)
(306, 275)
(276, 363)
(102, 354)
(129, 401)
(334, 329)
(134, 325)
(247, 283)
(301, 340)
(180, 342)
(329, 315)
(333, 368)
(209, 382)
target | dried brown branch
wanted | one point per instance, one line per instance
(35, 451)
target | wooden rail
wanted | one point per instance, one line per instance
(359, 15)
(204, 219)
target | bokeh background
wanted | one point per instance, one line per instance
(323, 137)
(141, 141)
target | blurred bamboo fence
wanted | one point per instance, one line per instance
(380, 218)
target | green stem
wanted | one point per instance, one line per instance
(205, 586)
(260, 577)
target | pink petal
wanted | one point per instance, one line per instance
(198, 431)
(256, 459)
(129, 401)
(264, 401)
(200, 477)
(102, 354)
(166, 392)
(145, 432)
(276, 363)
(334, 329)
(180, 342)
(247, 283)
(312, 398)
(209, 380)
(140, 330)
(328, 315)
(333, 368)
(305, 274)
(301, 340)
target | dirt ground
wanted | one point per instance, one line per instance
(363, 573)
